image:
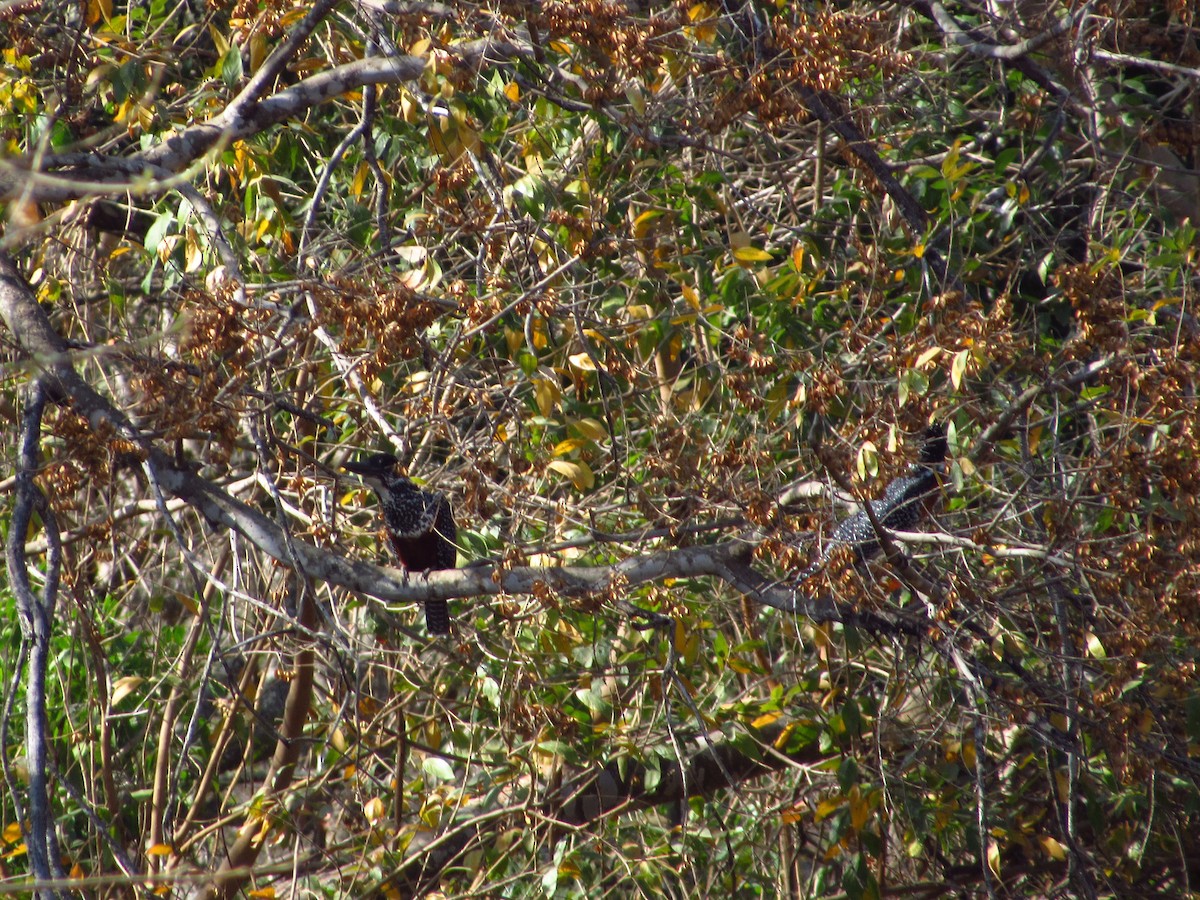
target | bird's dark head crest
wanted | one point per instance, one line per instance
(933, 444)
(380, 470)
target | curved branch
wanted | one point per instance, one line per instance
(244, 117)
(726, 560)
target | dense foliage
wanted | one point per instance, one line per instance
(653, 293)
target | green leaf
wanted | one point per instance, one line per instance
(437, 768)
(231, 66)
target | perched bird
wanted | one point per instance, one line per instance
(419, 525)
(900, 508)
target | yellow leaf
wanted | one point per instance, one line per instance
(958, 368)
(1094, 647)
(160, 850)
(546, 394)
(968, 755)
(927, 357)
(827, 808)
(410, 107)
(784, 736)
(687, 643)
(860, 808)
(583, 362)
(570, 445)
(512, 91)
(12, 833)
(195, 253)
(680, 635)
(258, 50)
(636, 98)
(97, 10)
(292, 16)
(374, 810)
(591, 429)
(17, 851)
(691, 295)
(751, 255)
(360, 179)
(766, 719)
(1053, 848)
(123, 687)
(867, 463)
(468, 136)
(919, 251)
(993, 858)
(220, 42)
(791, 816)
(1062, 785)
(580, 473)
(267, 893)
(641, 225)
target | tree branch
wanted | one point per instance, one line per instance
(237, 121)
(36, 616)
(726, 560)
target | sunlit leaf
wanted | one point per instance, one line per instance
(583, 362)
(867, 462)
(958, 368)
(546, 394)
(437, 768)
(766, 719)
(1055, 850)
(993, 858)
(591, 429)
(125, 686)
(828, 807)
(579, 472)
(374, 810)
(751, 255)
(927, 357)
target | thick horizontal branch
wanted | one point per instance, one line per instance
(237, 121)
(728, 561)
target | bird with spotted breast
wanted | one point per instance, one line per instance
(901, 508)
(419, 525)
